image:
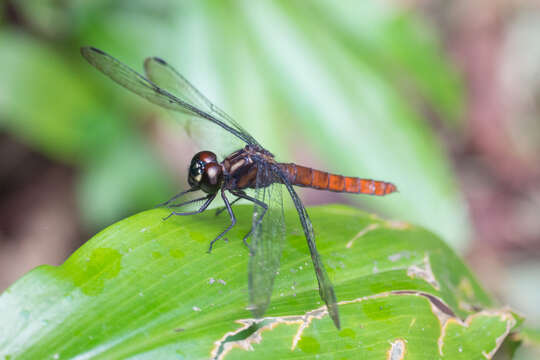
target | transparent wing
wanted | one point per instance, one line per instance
(266, 241)
(326, 289)
(186, 99)
(166, 77)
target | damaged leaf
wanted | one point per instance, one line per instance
(146, 288)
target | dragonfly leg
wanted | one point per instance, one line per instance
(175, 197)
(201, 209)
(187, 202)
(233, 220)
(243, 195)
(220, 210)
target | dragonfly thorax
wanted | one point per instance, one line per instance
(205, 172)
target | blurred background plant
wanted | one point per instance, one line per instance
(441, 98)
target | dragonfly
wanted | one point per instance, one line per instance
(250, 173)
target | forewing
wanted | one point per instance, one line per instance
(326, 289)
(165, 76)
(135, 82)
(266, 241)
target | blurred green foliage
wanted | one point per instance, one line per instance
(351, 79)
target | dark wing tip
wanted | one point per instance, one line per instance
(335, 319)
(97, 50)
(86, 49)
(148, 60)
(160, 60)
(88, 52)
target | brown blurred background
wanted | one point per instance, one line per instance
(443, 98)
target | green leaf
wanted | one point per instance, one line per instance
(146, 288)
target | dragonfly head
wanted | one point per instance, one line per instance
(205, 172)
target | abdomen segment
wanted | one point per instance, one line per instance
(307, 177)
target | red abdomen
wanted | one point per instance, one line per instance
(304, 176)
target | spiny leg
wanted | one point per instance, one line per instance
(233, 220)
(175, 197)
(220, 210)
(209, 198)
(188, 202)
(243, 195)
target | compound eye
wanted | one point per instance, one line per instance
(207, 157)
(204, 172)
(212, 178)
(196, 171)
